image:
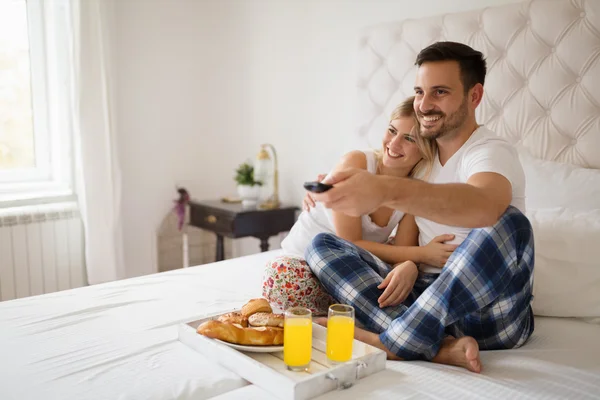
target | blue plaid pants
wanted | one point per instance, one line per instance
(483, 291)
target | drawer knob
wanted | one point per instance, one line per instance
(211, 219)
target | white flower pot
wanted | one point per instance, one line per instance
(249, 194)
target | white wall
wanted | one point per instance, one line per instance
(202, 83)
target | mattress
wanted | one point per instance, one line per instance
(119, 341)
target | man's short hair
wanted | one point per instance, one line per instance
(471, 62)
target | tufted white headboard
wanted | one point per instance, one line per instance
(542, 90)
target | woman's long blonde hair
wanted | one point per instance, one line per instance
(427, 147)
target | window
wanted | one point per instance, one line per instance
(35, 127)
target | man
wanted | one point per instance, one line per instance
(481, 298)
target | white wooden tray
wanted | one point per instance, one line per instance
(268, 371)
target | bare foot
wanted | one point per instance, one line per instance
(372, 338)
(462, 352)
(364, 335)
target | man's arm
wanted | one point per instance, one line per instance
(349, 227)
(479, 202)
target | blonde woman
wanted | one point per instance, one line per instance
(289, 282)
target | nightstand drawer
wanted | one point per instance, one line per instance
(260, 223)
(212, 219)
(236, 221)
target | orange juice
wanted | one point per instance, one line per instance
(297, 342)
(340, 334)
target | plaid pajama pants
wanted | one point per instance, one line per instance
(483, 291)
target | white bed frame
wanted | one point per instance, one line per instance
(542, 90)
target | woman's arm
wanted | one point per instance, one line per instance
(406, 244)
(406, 248)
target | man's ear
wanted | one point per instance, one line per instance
(476, 95)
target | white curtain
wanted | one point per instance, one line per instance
(97, 169)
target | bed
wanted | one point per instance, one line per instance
(119, 340)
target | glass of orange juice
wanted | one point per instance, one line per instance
(297, 338)
(340, 333)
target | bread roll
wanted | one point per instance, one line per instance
(234, 318)
(266, 319)
(256, 305)
(261, 336)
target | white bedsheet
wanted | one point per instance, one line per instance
(119, 341)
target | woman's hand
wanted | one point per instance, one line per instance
(397, 284)
(308, 201)
(437, 252)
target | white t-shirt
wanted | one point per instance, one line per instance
(483, 152)
(320, 220)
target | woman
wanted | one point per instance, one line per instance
(289, 282)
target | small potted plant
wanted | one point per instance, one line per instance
(248, 188)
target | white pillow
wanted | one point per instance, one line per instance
(552, 184)
(567, 262)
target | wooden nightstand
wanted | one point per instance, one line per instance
(233, 221)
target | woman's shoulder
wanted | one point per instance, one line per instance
(354, 159)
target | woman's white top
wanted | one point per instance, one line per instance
(320, 219)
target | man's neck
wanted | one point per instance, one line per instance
(449, 144)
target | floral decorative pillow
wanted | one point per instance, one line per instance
(289, 282)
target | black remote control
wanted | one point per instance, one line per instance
(317, 187)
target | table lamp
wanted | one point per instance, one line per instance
(261, 172)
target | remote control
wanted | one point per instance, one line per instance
(317, 187)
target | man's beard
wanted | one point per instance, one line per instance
(453, 122)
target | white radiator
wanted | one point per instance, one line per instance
(41, 250)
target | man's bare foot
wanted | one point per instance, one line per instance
(462, 352)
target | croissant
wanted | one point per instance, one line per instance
(237, 334)
(256, 305)
(266, 319)
(234, 318)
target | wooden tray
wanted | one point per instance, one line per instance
(268, 371)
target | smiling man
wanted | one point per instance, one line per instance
(481, 298)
